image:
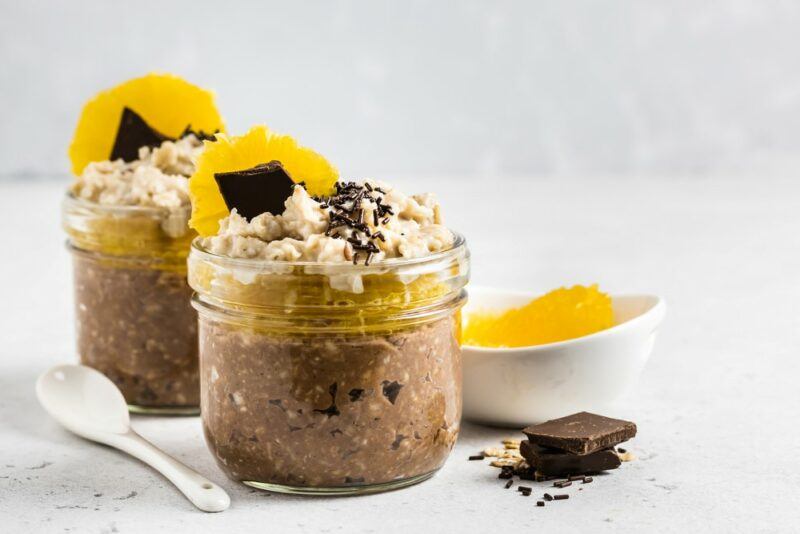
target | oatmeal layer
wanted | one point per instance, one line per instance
(135, 324)
(328, 410)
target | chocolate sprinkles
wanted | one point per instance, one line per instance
(347, 213)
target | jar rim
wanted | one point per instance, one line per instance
(459, 244)
(70, 200)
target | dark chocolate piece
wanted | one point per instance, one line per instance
(391, 390)
(562, 484)
(524, 488)
(509, 484)
(132, 134)
(524, 471)
(331, 410)
(548, 497)
(260, 189)
(476, 457)
(552, 462)
(506, 472)
(560, 497)
(199, 134)
(581, 433)
(539, 503)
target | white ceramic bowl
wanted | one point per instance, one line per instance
(518, 386)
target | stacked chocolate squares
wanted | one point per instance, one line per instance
(578, 444)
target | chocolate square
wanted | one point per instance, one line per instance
(581, 433)
(132, 134)
(260, 189)
(553, 462)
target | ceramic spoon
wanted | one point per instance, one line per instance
(90, 405)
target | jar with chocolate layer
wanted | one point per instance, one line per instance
(330, 378)
(134, 319)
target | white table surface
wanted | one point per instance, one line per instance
(718, 406)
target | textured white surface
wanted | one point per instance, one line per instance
(627, 86)
(717, 407)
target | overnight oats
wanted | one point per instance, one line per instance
(127, 220)
(329, 324)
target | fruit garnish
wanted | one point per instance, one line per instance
(565, 313)
(242, 153)
(167, 104)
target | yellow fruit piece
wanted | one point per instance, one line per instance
(259, 145)
(565, 313)
(166, 102)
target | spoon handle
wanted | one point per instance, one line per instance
(203, 493)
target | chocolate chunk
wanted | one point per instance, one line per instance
(525, 471)
(275, 402)
(581, 433)
(355, 394)
(476, 457)
(331, 410)
(539, 503)
(548, 497)
(524, 488)
(132, 134)
(553, 462)
(509, 484)
(560, 497)
(260, 189)
(562, 484)
(506, 472)
(397, 441)
(199, 134)
(148, 395)
(391, 390)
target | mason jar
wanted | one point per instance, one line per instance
(134, 319)
(330, 378)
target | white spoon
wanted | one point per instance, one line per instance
(90, 405)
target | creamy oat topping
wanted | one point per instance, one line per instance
(159, 178)
(410, 228)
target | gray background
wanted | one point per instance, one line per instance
(466, 88)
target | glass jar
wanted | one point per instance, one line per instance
(330, 378)
(134, 319)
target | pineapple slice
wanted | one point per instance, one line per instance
(166, 102)
(257, 146)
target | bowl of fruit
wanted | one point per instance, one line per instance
(528, 359)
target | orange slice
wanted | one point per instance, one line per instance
(558, 315)
(257, 146)
(166, 102)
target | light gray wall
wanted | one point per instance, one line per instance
(562, 87)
